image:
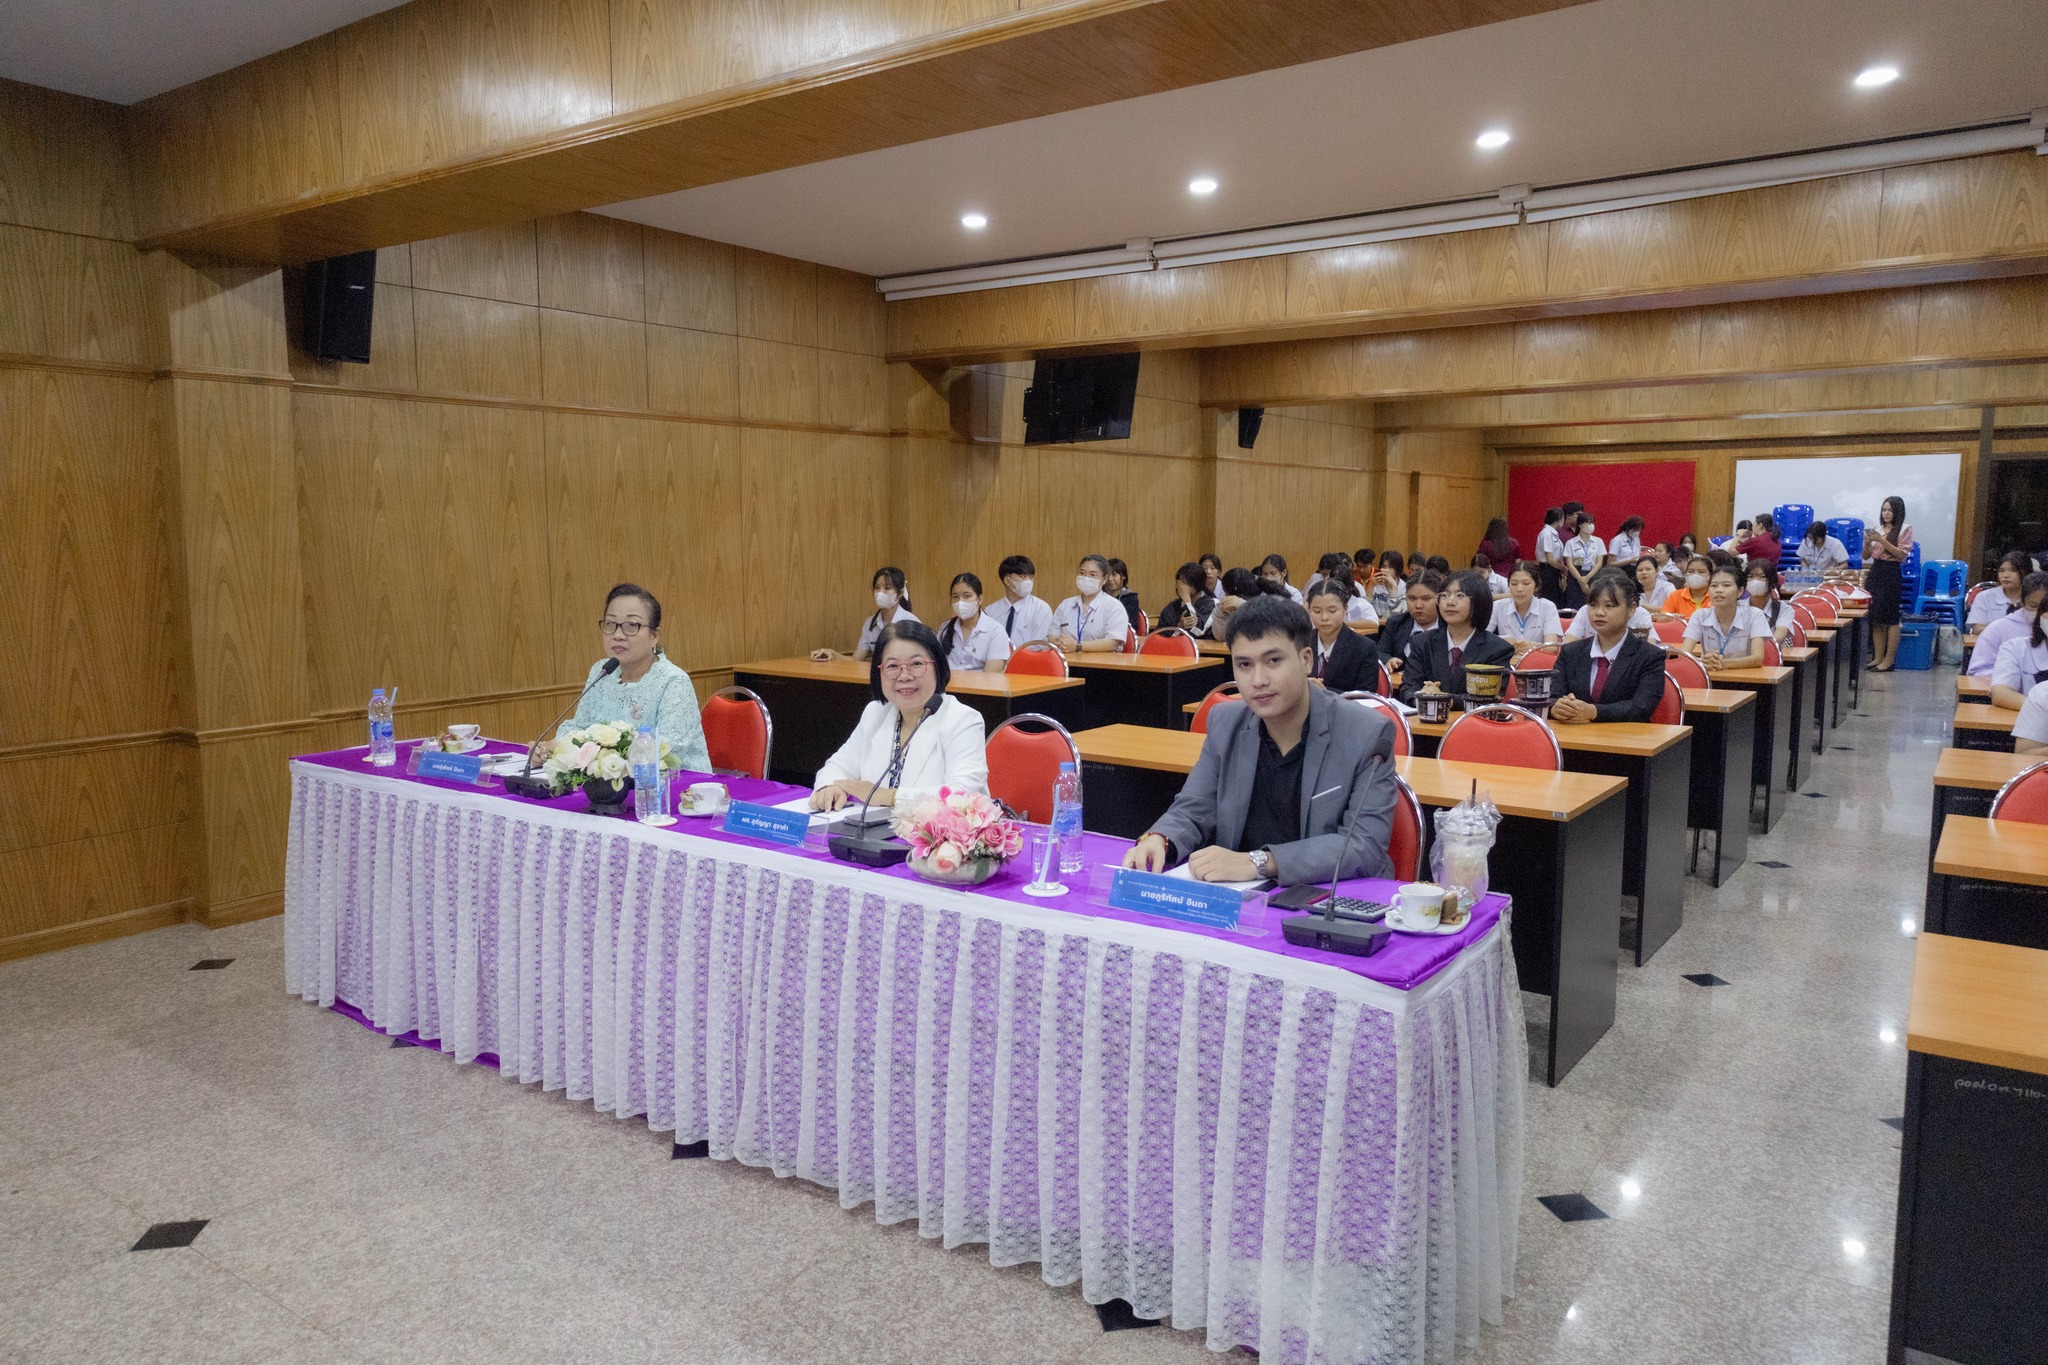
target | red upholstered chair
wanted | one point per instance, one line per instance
(2025, 797)
(1130, 640)
(1172, 642)
(1671, 710)
(1670, 632)
(1404, 841)
(1689, 671)
(1543, 656)
(738, 732)
(1803, 614)
(1220, 693)
(1503, 734)
(1143, 625)
(1024, 757)
(1040, 660)
(1795, 634)
(1772, 657)
(1384, 684)
(1404, 742)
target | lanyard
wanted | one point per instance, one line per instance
(1080, 618)
(1722, 637)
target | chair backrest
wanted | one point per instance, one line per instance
(1024, 762)
(1143, 625)
(2024, 797)
(1504, 734)
(1543, 656)
(1172, 641)
(1220, 693)
(1040, 660)
(1384, 682)
(1670, 632)
(1404, 841)
(1404, 741)
(1803, 614)
(739, 734)
(1671, 707)
(1795, 634)
(1130, 640)
(1689, 671)
(1772, 657)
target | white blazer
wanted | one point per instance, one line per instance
(946, 751)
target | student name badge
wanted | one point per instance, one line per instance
(1176, 898)
(447, 767)
(767, 823)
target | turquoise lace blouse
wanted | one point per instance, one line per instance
(663, 698)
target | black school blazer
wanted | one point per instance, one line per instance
(1432, 660)
(1354, 663)
(1635, 681)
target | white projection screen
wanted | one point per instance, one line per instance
(1854, 485)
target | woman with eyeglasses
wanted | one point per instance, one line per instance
(892, 604)
(645, 689)
(912, 739)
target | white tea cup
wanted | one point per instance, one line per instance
(1422, 904)
(707, 796)
(465, 733)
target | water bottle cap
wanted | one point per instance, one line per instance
(647, 729)
(1066, 767)
(376, 694)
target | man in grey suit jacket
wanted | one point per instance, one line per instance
(1284, 773)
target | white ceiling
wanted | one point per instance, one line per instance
(1610, 88)
(128, 50)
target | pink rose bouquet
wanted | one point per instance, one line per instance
(955, 828)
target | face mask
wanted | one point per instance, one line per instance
(966, 610)
(1088, 586)
(1586, 530)
(1695, 581)
(885, 600)
(1024, 587)
(1757, 587)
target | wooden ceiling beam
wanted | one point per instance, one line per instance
(1959, 423)
(442, 116)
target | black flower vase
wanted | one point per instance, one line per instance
(608, 797)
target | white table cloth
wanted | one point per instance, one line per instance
(1278, 1152)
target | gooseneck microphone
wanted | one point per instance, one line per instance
(526, 784)
(1346, 926)
(857, 838)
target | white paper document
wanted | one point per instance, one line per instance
(1242, 888)
(803, 803)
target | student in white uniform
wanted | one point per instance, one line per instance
(1274, 570)
(1584, 556)
(2030, 731)
(1092, 621)
(1523, 618)
(972, 641)
(1821, 552)
(1359, 608)
(1639, 620)
(1652, 587)
(1761, 592)
(892, 604)
(1550, 557)
(1728, 632)
(2003, 597)
(1626, 548)
(2022, 663)
(1495, 583)
(912, 739)
(1023, 616)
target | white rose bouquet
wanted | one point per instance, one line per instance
(596, 752)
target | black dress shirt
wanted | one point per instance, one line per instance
(1275, 813)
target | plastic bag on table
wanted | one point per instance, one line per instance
(1464, 841)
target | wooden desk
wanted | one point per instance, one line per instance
(1724, 739)
(1774, 731)
(1557, 853)
(1804, 661)
(1990, 881)
(1657, 761)
(1973, 687)
(1965, 780)
(815, 706)
(1145, 689)
(1213, 649)
(1980, 725)
(1970, 1265)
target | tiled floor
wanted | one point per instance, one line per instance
(371, 1203)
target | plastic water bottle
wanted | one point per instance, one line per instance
(650, 793)
(1066, 818)
(383, 748)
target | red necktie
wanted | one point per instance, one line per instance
(1457, 657)
(1599, 678)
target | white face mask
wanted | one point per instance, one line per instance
(966, 610)
(1586, 530)
(1695, 581)
(1024, 587)
(1088, 586)
(1757, 587)
(885, 599)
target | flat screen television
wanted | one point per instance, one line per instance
(1080, 398)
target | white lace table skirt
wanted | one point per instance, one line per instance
(1279, 1152)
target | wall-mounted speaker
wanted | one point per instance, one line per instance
(975, 404)
(1248, 420)
(339, 295)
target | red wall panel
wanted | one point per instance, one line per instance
(1658, 491)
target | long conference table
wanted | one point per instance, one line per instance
(1312, 1156)
(1557, 854)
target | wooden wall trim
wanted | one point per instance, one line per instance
(59, 748)
(469, 400)
(229, 913)
(136, 921)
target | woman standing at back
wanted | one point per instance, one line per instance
(1502, 550)
(1887, 547)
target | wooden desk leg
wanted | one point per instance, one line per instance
(1842, 642)
(1565, 877)
(1722, 749)
(1823, 683)
(1972, 1195)
(1804, 678)
(1858, 638)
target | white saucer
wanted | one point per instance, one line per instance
(471, 747)
(690, 812)
(1400, 926)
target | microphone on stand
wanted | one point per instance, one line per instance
(854, 839)
(526, 784)
(1346, 926)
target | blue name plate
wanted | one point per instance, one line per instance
(450, 767)
(769, 825)
(1192, 902)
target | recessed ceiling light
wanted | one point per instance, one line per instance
(1853, 1248)
(1871, 77)
(1201, 184)
(1631, 1189)
(976, 221)
(1887, 1035)
(1492, 138)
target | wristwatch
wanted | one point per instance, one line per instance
(1262, 863)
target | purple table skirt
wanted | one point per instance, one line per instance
(1406, 962)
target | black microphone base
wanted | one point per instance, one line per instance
(868, 850)
(538, 788)
(1335, 935)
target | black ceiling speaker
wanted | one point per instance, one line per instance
(1248, 420)
(339, 293)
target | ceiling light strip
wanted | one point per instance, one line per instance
(1467, 215)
